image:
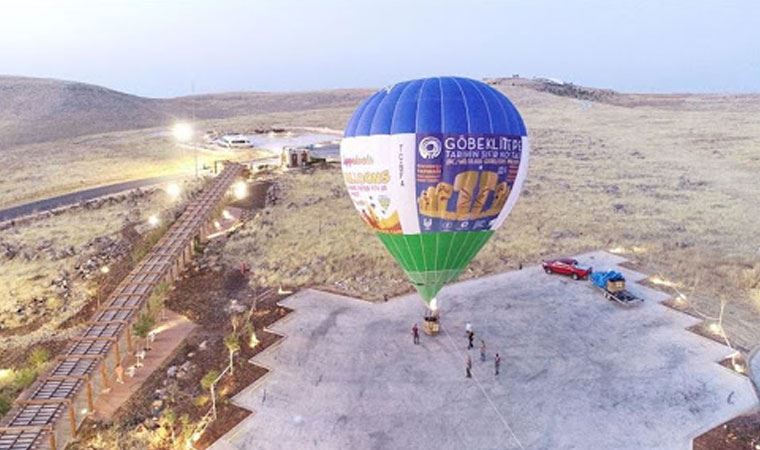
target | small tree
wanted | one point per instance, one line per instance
(233, 345)
(253, 340)
(235, 320)
(169, 421)
(143, 325)
(208, 380)
(186, 431)
(157, 301)
(207, 383)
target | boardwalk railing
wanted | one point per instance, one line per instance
(48, 414)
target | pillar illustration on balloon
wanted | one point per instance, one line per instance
(434, 166)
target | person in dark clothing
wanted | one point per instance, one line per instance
(470, 338)
(415, 334)
(496, 364)
(468, 366)
(482, 350)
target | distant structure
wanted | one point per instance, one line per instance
(233, 141)
(295, 157)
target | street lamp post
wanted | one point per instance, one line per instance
(183, 132)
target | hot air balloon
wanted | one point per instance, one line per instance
(434, 166)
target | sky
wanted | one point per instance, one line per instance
(165, 48)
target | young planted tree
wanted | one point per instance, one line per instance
(233, 345)
(168, 422)
(208, 382)
(235, 320)
(253, 340)
(143, 325)
(157, 301)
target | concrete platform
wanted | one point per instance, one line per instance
(578, 372)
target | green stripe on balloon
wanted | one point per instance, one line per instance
(432, 260)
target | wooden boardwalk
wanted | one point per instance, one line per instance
(48, 414)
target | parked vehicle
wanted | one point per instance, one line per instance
(567, 266)
(612, 283)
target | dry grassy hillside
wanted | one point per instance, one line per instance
(37, 110)
(59, 136)
(235, 104)
(39, 170)
(670, 180)
(674, 188)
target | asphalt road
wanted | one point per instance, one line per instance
(87, 194)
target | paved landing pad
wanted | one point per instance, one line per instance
(578, 372)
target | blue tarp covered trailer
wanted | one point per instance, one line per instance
(601, 278)
(612, 284)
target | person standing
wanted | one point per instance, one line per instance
(119, 373)
(482, 350)
(415, 334)
(470, 338)
(468, 366)
(496, 364)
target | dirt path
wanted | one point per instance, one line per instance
(170, 334)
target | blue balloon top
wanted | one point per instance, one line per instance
(441, 105)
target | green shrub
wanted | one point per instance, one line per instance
(143, 325)
(38, 358)
(24, 378)
(209, 379)
(201, 400)
(232, 342)
(5, 404)
(142, 248)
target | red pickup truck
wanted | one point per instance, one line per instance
(567, 266)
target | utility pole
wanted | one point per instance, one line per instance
(192, 105)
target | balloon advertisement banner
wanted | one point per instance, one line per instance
(460, 182)
(434, 166)
(463, 181)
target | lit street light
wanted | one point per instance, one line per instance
(173, 190)
(182, 132)
(153, 220)
(6, 375)
(240, 190)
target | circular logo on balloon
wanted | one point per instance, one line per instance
(430, 147)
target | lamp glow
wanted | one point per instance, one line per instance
(182, 131)
(240, 190)
(173, 190)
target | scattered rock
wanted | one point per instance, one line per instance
(619, 208)
(235, 307)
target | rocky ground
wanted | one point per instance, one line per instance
(56, 264)
(172, 404)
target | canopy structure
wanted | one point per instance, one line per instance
(434, 166)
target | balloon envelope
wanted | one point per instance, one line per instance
(434, 166)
